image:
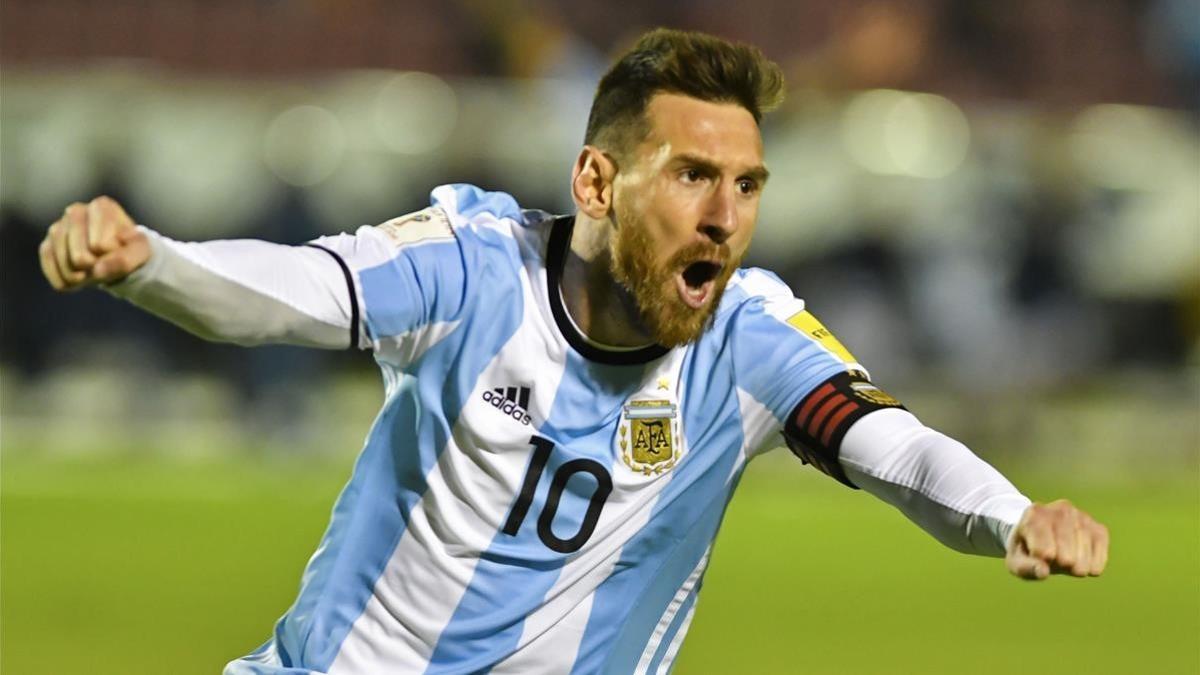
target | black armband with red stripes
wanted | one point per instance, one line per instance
(815, 428)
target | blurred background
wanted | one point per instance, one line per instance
(996, 206)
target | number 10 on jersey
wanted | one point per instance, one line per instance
(542, 447)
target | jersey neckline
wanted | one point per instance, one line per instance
(556, 260)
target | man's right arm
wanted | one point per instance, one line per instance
(242, 291)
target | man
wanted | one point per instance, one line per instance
(570, 401)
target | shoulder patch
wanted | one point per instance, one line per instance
(806, 323)
(428, 224)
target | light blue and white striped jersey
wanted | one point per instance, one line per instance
(528, 501)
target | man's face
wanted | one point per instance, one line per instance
(685, 209)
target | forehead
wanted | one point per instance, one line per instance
(724, 133)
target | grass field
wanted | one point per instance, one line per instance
(142, 566)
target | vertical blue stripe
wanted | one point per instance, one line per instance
(658, 559)
(515, 573)
(421, 285)
(673, 630)
(403, 446)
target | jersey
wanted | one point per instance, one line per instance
(529, 500)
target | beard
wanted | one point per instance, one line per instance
(652, 284)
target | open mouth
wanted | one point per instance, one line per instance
(696, 282)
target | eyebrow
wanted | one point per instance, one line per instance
(758, 173)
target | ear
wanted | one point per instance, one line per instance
(592, 182)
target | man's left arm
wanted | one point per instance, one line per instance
(836, 419)
(964, 502)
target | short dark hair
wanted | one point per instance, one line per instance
(681, 62)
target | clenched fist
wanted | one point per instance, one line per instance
(92, 243)
(1057, 538)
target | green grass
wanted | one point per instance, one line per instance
(141, 566)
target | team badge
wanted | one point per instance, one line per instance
(649, 436)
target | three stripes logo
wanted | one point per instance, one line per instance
(512, 401)
(814, 432)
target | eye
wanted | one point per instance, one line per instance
(690, 175)
(747, 186)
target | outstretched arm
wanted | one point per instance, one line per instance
(964, 502)
(243, 291)
(836, 419)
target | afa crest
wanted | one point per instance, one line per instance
(648, 436)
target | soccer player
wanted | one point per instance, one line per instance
(570, 400)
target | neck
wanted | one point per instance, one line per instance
(603, 309)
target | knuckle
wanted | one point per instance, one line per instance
(75, 209)
(79, 258)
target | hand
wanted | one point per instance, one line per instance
(92, 243)
(1057, 538)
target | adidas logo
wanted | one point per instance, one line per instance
(511, 401)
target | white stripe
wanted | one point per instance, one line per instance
(468, 494)
(664, 666)
(554, 650)
(664, 622)
(751, 413)
(758, 423)
(402, 350)
(411, 602)
(550, 639)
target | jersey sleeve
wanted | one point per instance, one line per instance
(934, 480)
(335, 292)
(793, 365)
(399, 276)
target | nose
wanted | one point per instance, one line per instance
(721, 218)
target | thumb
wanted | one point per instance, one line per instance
(1022, 564)
(133, 252)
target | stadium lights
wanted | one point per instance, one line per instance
(901, 133)
(415, 113)
(303, 145)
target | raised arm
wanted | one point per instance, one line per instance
(242, 291)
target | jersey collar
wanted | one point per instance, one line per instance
(556, 260)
